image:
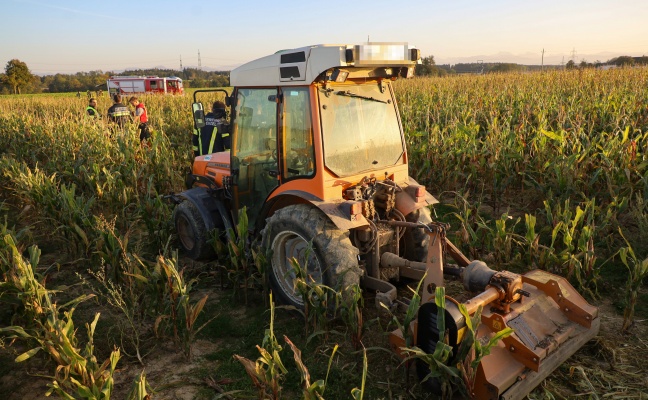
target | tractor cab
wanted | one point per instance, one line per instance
(308, 123)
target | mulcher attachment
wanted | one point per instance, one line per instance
(549, 318)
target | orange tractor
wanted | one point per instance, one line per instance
(319, 160)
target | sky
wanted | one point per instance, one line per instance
(68, 36)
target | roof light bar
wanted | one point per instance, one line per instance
(381, 54)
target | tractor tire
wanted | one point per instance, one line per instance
(333, 260)
(415, 241)
(192, 233)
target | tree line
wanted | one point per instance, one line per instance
(429, 68)
(18, 79)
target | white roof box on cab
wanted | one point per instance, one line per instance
(303, 65)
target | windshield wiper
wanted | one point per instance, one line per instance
(348, 93)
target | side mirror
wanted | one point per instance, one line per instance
(198, 115)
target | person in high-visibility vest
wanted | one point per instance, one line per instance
(118, 112)
(215, 135)
(141, 118)
(91, 109)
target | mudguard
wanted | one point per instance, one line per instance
(337, 211)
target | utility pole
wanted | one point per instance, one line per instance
(199, 63)
(562, 64)
(542, 65)
(180, 62)
(574, 55)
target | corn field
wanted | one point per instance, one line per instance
(545, 170)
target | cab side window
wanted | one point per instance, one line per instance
(256, 116)
(298, 156)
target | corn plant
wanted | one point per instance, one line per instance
(267, 372)
(532, 240)
(262, 264)
(358, 393)
(319, 300)
(112, 251)
(78, 371)
(351, 312)
(315, 390)
(155, 213)
(473, 231)
(637, 272)
(18, 237)
(181, 306)
(140, 388)
(238, 248)
(438, 362)
(97, 381)
(471, 350)
(576, 257)
(21, 286)
(505, 241)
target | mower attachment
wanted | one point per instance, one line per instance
(550, 320)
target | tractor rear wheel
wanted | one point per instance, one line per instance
(192, 233)
(415, 240)
(306, 234)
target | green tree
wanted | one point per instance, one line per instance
(17, 75)
(571, 65)
(427, 67)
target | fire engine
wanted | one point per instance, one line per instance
(144, 84)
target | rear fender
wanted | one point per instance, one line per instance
(212, 210)
(337, 211)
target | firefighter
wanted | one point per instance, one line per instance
(118, 112)
(141, 118)
(215, 135)
(91, 109)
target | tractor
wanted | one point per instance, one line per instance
(318, 159)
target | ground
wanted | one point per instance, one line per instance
(611, 364)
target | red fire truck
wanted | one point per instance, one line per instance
(144, 84)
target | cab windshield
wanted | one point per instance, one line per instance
(360, 128)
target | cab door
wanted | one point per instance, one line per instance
(254, 149)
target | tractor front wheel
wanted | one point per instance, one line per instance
(304, 233)
(192, 233)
